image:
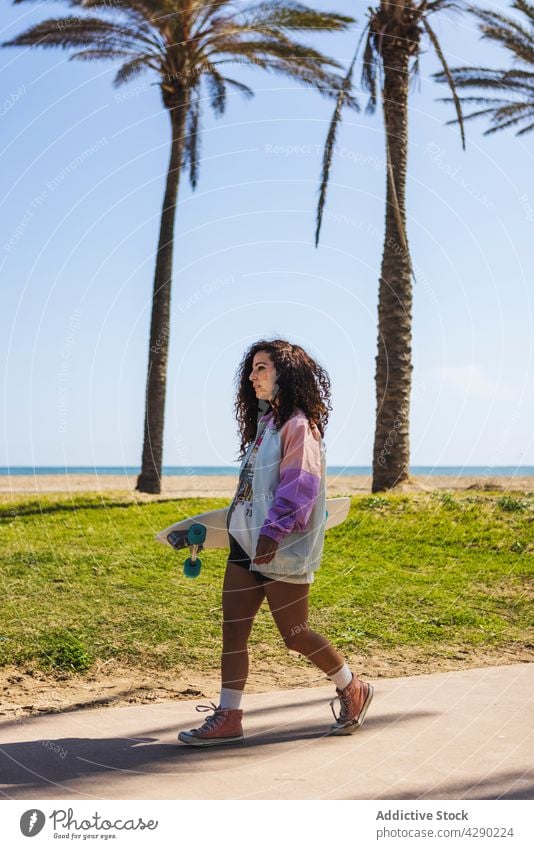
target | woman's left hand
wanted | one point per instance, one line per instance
(265, 550)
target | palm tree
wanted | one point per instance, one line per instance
(393, 40)
(518, 39)
(187, 43)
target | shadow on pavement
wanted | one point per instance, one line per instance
(485, 788)
(39, 763)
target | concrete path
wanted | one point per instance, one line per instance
(458, 735)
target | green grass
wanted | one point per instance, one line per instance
(84, 580)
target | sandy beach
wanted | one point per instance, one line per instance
(223, 486)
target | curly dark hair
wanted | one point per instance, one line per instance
(303, 384)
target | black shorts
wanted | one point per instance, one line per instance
(240, 558)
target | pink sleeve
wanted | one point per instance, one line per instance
(300, 480)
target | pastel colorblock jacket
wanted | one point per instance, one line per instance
(289, 495)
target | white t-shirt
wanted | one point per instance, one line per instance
(241, 515)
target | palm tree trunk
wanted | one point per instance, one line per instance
(391, 453)
(150, 478)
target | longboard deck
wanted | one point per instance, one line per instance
(215, 523)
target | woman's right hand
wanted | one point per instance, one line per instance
(265, 550)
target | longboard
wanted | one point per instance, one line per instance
(208, 530)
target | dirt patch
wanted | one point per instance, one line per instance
(27, 691)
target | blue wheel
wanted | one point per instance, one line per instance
(192, 570)
(196, 534)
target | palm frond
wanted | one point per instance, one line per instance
(370, 71)
(331, 141)
(526, 129)
(64, 32)
(192, 139)
(148, 6)
(217, 89)
(498, 20)
(270, 55)
(437, 47)
(141, 9)
(325, 83)
(486, 100)
(487, 77)
(415, 71)
(93, 53)
(244, 89)
(526, 8)
(502, 125)
(132, 68)
(507, 31)
(496, 116)
(441, 5)
(83, 32)
(283, 49)
(209, 20)
(518, 40)
(516, 108)
(288, 15)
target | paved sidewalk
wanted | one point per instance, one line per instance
(457, 735)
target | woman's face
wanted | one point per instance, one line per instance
(263, 376)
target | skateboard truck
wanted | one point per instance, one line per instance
(194, 538)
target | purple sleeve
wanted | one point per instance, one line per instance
(300, 480)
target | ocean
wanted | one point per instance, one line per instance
(186, 471)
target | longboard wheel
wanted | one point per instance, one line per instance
(196, 534)
(192, 570)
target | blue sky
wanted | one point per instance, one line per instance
(83, 169)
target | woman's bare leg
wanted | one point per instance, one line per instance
(289, 606)
(241, 599)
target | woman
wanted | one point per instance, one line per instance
(276, 532)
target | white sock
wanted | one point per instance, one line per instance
(342, 678)
(230, 699)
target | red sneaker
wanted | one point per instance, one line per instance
(355, 700)
(223, 726)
